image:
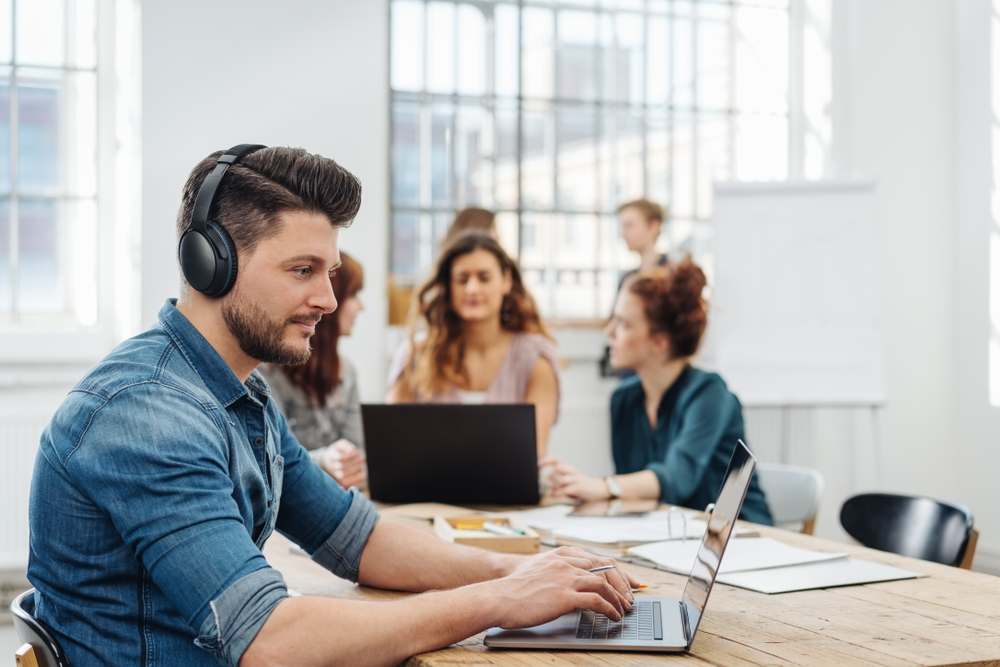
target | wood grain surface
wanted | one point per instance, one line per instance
(951, 617)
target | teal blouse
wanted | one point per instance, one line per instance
(699, 421)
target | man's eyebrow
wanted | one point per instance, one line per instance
(306, 258)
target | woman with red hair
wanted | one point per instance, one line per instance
(320, 398)
(673, 426)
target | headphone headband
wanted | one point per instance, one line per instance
(206, 195)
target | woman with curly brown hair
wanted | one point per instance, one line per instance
(483, 340)
(673, 426)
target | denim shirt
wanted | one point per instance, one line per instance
(155, 487)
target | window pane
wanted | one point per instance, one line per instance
(6, 16)
(40, 283)
(658, 60)
(713, 159)
(507, 230)
(713, 65)
(537, 58)
(405, 154)
(5, 282)
(577, 62)
(658, 144)
(761, 60)
(682, 93)
(682, 187)
(441, 47)
(628, 58)
(473, 172)
(577, 132)
(506, 28)
(41, 32)
(83, 35)
(505, 167)
(5, 137)
(471, 50)
(441, 156)
(538, 157)
(38, 137)
(407, 45)
(81, 130)
(405, 244)
(81, 216)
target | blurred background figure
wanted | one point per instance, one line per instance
(673, 426)
(483, 340)
(471, 219)
(320, 398)
(641, 222)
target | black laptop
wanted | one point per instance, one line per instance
(447, 453)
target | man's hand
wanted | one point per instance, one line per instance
(548, 585)
(346, 464)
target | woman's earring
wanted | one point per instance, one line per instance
(505, 309)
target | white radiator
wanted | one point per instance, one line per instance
(23, 417)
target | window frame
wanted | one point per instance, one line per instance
(56, 339)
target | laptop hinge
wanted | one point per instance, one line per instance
(685, 624)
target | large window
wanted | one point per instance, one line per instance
(555, 113)
(64, 106)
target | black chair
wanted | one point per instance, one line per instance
(911, 526)
(41, 646)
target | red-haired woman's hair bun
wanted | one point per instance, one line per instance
(673, 303)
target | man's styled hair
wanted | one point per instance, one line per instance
(652, 211)
(265, 183)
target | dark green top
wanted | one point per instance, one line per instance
(698, 423)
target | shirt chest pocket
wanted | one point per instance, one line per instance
(276, 475)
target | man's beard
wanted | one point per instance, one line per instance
(259, 336)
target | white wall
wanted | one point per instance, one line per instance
(303, 73)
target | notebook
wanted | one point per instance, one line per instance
(455, 454)
(654, 623)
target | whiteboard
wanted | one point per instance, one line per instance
(795, 302)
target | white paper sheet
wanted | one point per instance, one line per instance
(742, 555)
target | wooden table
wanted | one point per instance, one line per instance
(951, 617)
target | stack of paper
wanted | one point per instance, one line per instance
(766, 565)
(752, 553)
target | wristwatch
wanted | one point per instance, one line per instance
(614, 487)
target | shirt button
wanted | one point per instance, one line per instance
(259, 441)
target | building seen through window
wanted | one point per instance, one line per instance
(555, 113)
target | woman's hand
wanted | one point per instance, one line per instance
(563, 479)
(346, 464)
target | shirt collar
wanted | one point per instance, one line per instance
(206, 362)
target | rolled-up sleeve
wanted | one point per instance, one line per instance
(330, 523)
(239, 613)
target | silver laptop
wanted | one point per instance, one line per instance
(654, 623)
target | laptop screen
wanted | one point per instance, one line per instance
(721, 522)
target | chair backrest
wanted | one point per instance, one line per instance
(30, 630)
(909, 525)
(793, 494)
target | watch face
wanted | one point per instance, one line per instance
(614, 488)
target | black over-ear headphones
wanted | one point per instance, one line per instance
(206, 252)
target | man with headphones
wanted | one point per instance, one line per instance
(167, 467)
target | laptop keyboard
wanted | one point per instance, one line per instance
(635, 624)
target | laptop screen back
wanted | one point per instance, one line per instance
(720, 527)
(456, 454)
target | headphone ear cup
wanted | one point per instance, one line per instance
(226, 268)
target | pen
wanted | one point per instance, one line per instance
(603, 568)
(501, 529)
